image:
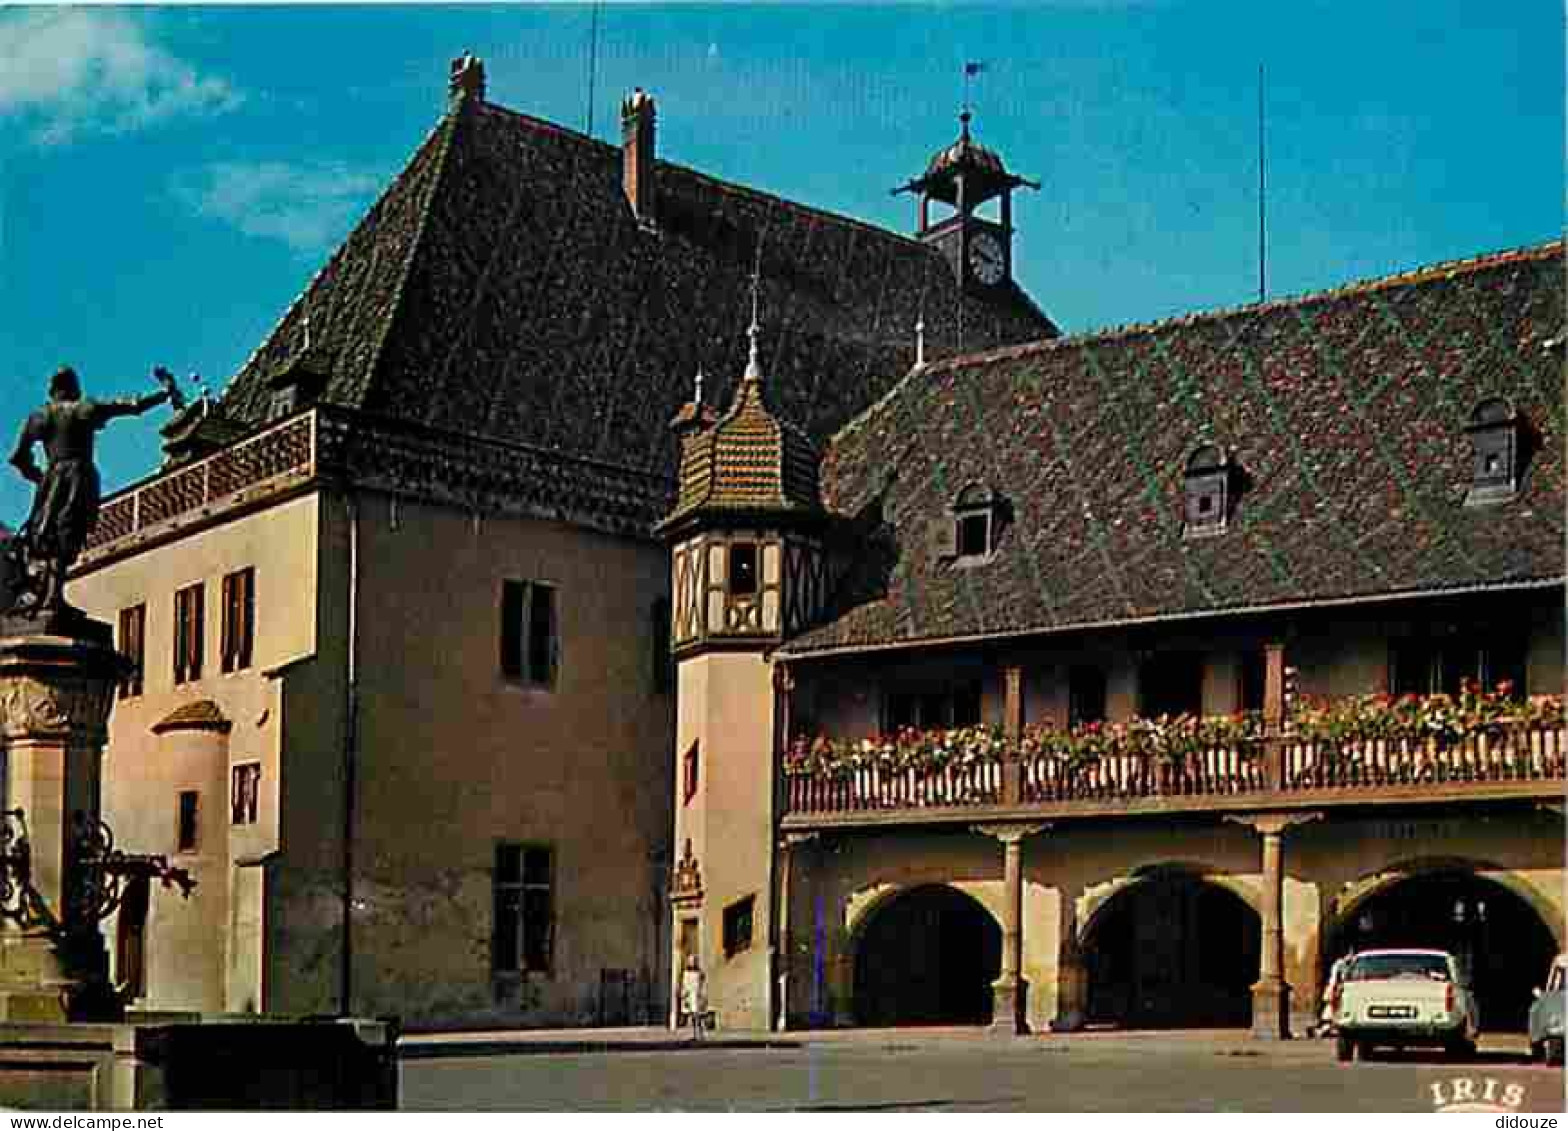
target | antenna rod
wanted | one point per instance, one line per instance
(593, 63)
(1262, 215)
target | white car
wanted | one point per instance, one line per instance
(1397, 998)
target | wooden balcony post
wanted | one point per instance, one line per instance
(1013, 728)
(1008, 1015)
(1271, 993)
(1273, 687)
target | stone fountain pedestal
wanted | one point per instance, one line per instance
(56, 690)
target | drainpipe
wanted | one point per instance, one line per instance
(350, 759)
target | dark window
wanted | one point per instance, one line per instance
(737, 925)
(690, 768)
(188, 617)
(1433, 665)
(957, 705)
(245, 793)
(1251, 680)
(974, 535)
(185, 822)
(1085, 695)
(133, 646)
(743, 568)
(529, 643)
(1170, 683)
(239, 619)
(663, 662)
(524, 917)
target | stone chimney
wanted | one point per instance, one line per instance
(467, 80)
(637, 151)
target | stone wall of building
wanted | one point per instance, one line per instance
(192, 959)
(454, 758)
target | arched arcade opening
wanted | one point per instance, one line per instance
(1498, 937)
(927, 957)
(1172, 951)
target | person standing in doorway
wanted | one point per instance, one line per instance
(694, 996)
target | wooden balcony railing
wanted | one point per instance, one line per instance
(1281, 767)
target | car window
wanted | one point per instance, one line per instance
(1376, 967)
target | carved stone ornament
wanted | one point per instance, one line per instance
(686, 886)
(54, 688)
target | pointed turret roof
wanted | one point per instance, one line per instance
(752, 460)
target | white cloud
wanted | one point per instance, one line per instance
(69, 71)
(307, 206)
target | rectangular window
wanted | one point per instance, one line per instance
(737, 925)
(689, 770)
(1170, 683)
(245, 794)
(524, 928)
(1425, 666)
(188, 615)
(1085, 695)
(529, 642)
(957, 705)
(974, 535)
(1251, 680)
(743, 568)
(133, 646)
(239, 619)
(185, 822)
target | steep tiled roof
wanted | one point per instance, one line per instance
(1346, 413)
(503, 287)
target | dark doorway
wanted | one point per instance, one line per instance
(1172, 952)
(1497, 937)
(927, 958)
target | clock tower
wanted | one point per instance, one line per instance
(964, 176)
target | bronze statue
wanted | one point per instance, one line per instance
(65, 505)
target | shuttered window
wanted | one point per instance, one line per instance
(239, 619)
(530, 644)
(188, 615)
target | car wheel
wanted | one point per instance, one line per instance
(1537, 1052)
(1344, 1050)
(1462, 1050)
(1552, 1050)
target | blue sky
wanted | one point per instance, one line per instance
(170, 177)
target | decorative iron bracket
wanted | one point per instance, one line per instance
(103, 871)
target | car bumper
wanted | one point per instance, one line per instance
(1405, 1032)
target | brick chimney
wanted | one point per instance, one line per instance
(637, 151)
(467, 80)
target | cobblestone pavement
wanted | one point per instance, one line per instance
(925, 1070)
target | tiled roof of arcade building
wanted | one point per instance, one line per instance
(504, 286)
(1346, 425)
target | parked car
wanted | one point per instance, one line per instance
(1546, 1015)
(1398, 998)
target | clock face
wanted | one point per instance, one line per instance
(986, 259)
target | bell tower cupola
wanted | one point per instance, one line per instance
(963, 177)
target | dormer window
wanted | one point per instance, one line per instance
(1207, 490)
(1496, 433)
(975, 526)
